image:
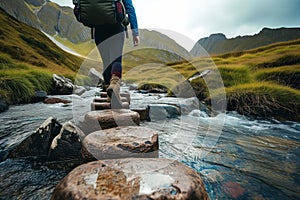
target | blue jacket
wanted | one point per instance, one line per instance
(132, 16)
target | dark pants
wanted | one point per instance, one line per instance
(110, 41)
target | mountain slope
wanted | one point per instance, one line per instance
(28, 59)
(61, 23)
(21, 11)
(219, 44)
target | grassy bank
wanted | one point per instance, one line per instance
(28, 59)
(262, 82)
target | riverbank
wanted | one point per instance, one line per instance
(263, 83)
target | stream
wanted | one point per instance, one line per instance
(240, 158)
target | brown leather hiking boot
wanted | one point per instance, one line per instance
(113, 92)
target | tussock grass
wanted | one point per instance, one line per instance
(234, 75)
(28, 59)
(18, 89)
(264, 100)
(286, 75)
(19, 86)
(262, 82)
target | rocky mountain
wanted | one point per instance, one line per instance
(219, 44)
(61, 23)
(48, 17)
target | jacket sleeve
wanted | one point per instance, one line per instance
(132, 16)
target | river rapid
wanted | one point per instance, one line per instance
(239, 158)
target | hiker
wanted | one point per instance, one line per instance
(109, 39)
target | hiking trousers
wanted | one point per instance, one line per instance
(109, 39)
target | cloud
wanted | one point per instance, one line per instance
(239, 17)
(200, 18)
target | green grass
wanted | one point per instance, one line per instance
(264, 100)
(285, 75)
(262, 82)
(233, 75)
(27, 61)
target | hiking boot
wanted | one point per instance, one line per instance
(113, 92)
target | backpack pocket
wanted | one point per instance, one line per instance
(121, 16)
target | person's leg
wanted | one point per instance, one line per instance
(111, 50)
(110, 41)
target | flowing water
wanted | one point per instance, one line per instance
(237, 158)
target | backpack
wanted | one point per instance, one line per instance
(92, 13)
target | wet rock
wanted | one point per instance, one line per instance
(122, 94)
(67, 144)
(106, 105)
(3, 105)
(121, 142)
(39, 142)
(186, 105)
(79, 90)
(39, 96)
(133, 178)
(101, 100)
(62, 85)
(55, 100)
(105, 119)
(143, 112)
(163, 111)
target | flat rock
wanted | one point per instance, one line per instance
(133, 178)
(120, 142)
(105, 99)
(106, 105)
(122, 94)
(105, 119)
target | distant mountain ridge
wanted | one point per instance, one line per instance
(219, 44)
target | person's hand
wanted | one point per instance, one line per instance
(136, 40)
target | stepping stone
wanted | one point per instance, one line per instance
(120, 142)
(106, 105)
(143, 112)
(127, 95)
(105, 119)
(103, 99)
(132, 178)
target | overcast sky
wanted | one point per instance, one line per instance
(196, 19)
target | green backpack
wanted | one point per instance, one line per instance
(98, 12)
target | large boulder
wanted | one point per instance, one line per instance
(39, 142)
(121, 142)
(62, 85)
(133, 178)
(67, 144)
(52, 142)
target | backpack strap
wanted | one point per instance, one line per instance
(92, 32)
(125, 21)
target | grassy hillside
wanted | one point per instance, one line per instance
(262, 82)
(28, 59)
